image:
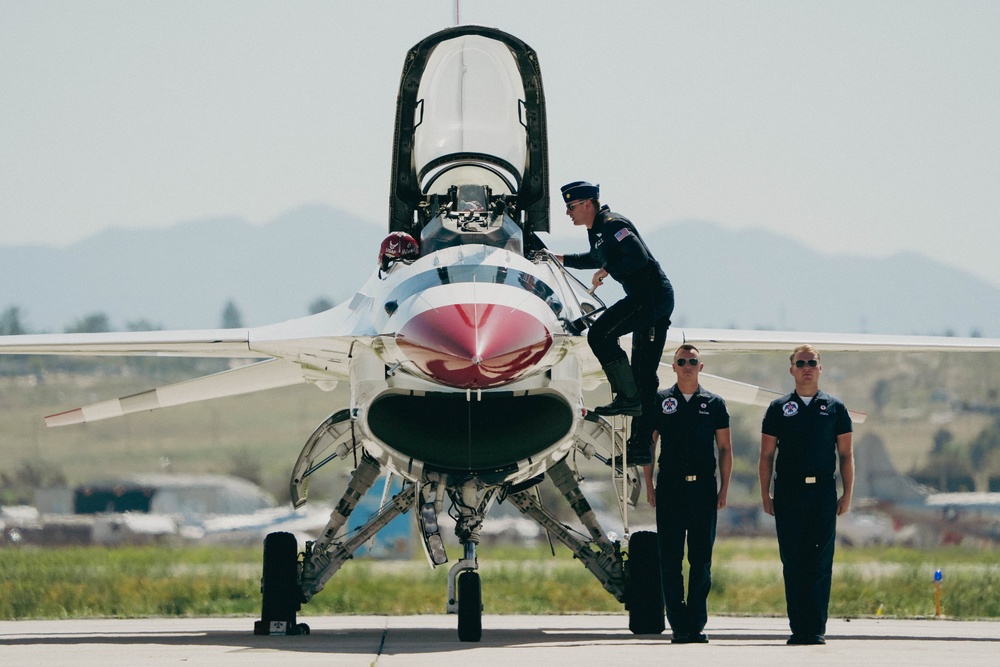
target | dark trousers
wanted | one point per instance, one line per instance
(686, 510)
(648, 338)
(805, 516)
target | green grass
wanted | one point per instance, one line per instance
(219, 581)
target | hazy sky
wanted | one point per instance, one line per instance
(857, 127)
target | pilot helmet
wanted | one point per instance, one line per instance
(396, 246)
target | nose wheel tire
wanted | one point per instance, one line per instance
(470, 607)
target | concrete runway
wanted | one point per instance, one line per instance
(521, 641)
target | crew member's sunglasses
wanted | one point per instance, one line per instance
(812, 363)
(691, 362)
(570, 207)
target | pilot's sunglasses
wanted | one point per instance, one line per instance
(570, 207)
(691, 362)
(812, 363)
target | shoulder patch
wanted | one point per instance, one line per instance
(790, 409)
(622, 233)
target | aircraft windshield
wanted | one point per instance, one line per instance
(498, 275)
(470, 97)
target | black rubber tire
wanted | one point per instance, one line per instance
(643, 593)
(470, 607)
(281, 597)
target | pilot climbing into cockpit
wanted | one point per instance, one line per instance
(616, 249)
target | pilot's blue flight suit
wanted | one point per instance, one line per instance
(805, 501)
(644, 312)
(687, 501)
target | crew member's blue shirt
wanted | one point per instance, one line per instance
(616, 246)
(806, 434)
(687, 431)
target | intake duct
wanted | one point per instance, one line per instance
(483, 433)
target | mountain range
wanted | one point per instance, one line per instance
(181, 277)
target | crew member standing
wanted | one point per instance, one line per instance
(692, 424)
(803, 437)
(616, 249)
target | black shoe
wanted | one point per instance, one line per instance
(700, 638)
(680, 638)
(806, 640)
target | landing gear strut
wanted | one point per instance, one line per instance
(465, 588)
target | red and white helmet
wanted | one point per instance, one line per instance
(395, 246)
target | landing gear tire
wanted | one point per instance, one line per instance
(470, 607)
(643, 593)
(279, 587)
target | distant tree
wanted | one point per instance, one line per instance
(17, 486)
(11, 322)
(246, 465)
(881, 393)
(93, 323)
(983, 445)
(942, 439)
(231, 317)
(142, 324)
(320, 304)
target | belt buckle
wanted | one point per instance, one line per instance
(810, 480)
(690, 478)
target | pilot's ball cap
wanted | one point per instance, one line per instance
(580, 190)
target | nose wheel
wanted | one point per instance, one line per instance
(470, 607)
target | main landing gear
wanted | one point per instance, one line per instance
(291, 578)
(279, 588)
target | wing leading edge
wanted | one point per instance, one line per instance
(233, 343)
(261, 376)
(737, 340)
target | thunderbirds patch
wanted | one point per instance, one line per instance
(790, 409)
(669, 405)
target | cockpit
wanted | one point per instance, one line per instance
(470, 159)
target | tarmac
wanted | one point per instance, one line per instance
(521, 641)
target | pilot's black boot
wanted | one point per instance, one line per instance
(639, 453)
(624, 388)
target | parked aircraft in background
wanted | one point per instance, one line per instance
(465, 351)
(943, 517)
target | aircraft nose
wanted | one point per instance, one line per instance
(474, 345)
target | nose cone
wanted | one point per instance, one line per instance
(474, 345)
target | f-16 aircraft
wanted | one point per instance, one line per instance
(465, 351)
(945, 517)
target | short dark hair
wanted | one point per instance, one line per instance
(687, 347)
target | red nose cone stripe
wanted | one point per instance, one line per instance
(474, 345)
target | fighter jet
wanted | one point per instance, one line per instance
(940, 517)
(465, 351)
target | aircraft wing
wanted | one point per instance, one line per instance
(263, 375)
(195, 343)
(745, 340)
(296, 351)
(749, 394)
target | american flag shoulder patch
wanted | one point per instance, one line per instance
(622, 233)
